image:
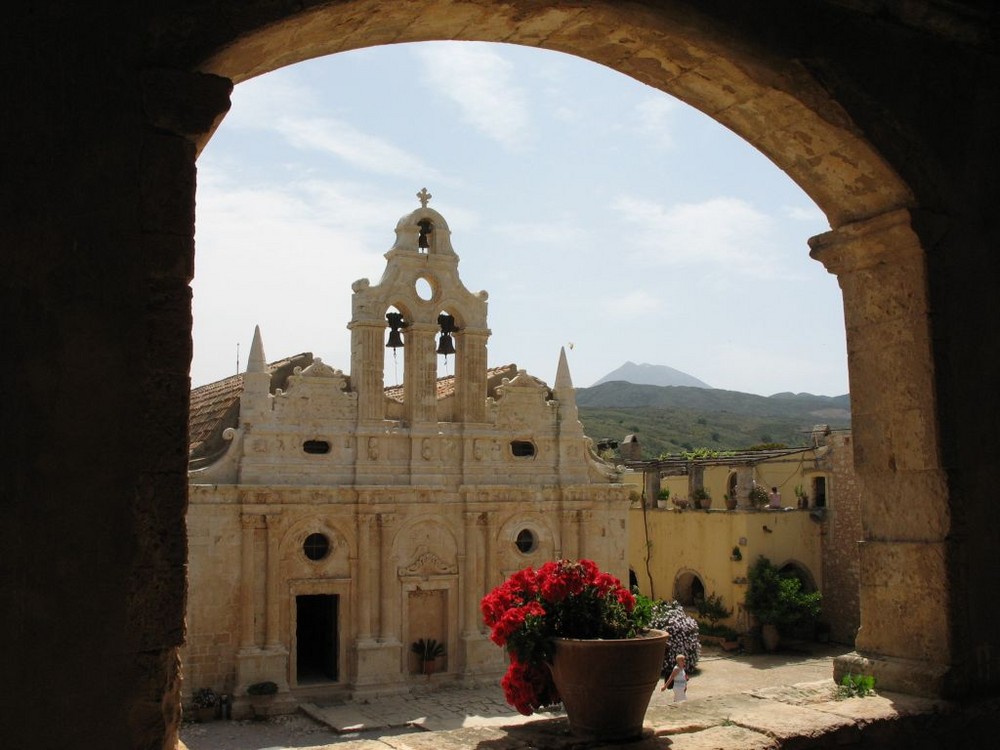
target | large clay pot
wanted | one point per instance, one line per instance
(606, 684)
(770, 636)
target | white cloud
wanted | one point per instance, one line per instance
(288, 108)
(804, 213)
(654, 119)
(482, 83)
(362, 150)
(721, 231)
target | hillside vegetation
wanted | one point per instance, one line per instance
(669, 419)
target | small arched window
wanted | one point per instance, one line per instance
(522, 448)
(316, 447)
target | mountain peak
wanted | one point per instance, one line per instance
(647, 374)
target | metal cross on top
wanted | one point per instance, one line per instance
(424, 196)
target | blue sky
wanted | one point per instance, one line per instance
(599, 213)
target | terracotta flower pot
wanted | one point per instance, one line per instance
(606, 684)
(770, 635)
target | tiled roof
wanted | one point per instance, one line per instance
(446, 384)
(216, 406)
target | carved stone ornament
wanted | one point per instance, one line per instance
(427, 563)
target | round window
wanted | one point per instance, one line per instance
(526, 541)
(316, 546)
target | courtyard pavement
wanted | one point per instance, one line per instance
(403, 720)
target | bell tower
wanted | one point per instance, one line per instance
(420, 306)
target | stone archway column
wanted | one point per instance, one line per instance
(905, 639)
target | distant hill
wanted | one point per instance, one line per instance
(670, 419)
(646, 374)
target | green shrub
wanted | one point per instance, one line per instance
(856, 686)
(777, 599)
(712, 609)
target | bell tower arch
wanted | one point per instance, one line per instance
(439, 316)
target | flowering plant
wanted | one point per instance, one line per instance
(562, 599)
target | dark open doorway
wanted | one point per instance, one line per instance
(316, 637)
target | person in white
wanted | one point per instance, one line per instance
(678, 680)
(774, 499)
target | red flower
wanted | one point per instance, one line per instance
(561, 599)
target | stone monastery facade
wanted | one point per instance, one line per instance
(333, 522)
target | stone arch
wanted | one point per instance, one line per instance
(342, 542)
(509, 556)
(689, 587)
(801, 572)
(774, 103)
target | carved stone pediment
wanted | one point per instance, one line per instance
(427, 563)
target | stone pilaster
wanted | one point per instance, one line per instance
(470, 375)
(389, 600)
(248, 522)
(470, 575)
(368, 368)
(905, 638)
(366, 555)
(272, 638)
(420, 378)
(744, 481)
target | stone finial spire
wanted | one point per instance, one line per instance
(256, 362)
(255, 401)
(423, 196)
(563, 379)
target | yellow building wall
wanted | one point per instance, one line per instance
(665, 544)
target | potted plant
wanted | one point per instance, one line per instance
(801, 496)
(574, 634)
(730, 501)
(777, 601)
(701, 498)
(427, 652)
(262, 697)
(663, 498)
(758, 496)
(205, 702)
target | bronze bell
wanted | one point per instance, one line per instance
(445, 344)
(395, 323)
(425, 229)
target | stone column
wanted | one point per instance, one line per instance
(273, 602)
(651, 486)
(470, 375)
(744, 481)
(471, 578)
(583, 531)
(389, 603)
(248, 523)
(569, 533)
(490, 577)
(420, 378)
(366, 555)
(367, 368)
(907, 605)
